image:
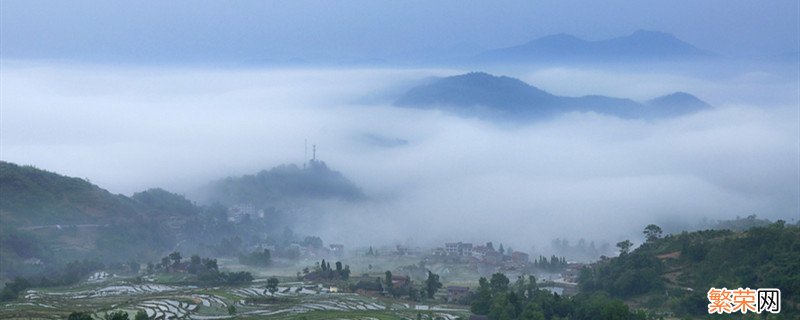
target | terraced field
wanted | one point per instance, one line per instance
(291, 301)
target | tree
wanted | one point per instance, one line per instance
(499, 283)
(413, 294)
(239, 277)
(531, 288)
(501, 250)
(211, 264)
(520, 286)
(79, 316)
(313, 242)
(624, 247)
(141, 315)
(175, 257)
(432, 284)
(195, 263)
(339, 267)
(323, 266)
(346, 272)
(652, 232)
(272, 285)
(165, 262)
(501, 308)
(231, 310)
(12, 289)
(483, 298)
(262, 258)
(388, 281)
(507, 305)
(532, 311)
(116, 315)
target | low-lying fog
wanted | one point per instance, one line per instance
(579, 175)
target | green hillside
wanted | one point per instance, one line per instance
(31, 196)
(49, 219)
(674, 273)
(285, 183)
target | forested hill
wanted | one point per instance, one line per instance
(490, 97)
(674, 273)
(35, 197)
(49, 219)
(272, 188)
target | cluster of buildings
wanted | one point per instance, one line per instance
(333, 250)
(482, 255)
(302, 251)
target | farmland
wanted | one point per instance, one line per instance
(161, 301)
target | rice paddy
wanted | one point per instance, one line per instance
(105, 294)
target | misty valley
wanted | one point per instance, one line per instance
(159, 255)
(537, 160)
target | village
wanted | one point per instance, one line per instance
(458, 265)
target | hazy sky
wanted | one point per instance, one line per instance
(247, 31)
(135, 113)
(588, 175)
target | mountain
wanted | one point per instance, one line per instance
(673, 273)
(31, 196)
(676, 104)
(48, 219)
(284, 184)
(163, 202)
(482, 95)
(641, 45)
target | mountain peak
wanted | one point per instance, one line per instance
(477, 78)
(641, 45)
(676, 103)
(477, 91)
(482, 95)
(558, 37)
(314, 181)
(651, 33)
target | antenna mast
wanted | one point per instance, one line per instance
(314, 152)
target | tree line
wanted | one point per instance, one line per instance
(498, 299)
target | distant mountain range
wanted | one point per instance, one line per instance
(491, 97)
(639, 46)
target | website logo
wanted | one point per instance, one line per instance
(744, 300)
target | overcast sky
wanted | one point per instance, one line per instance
(579, 175)
(244, 31)
(134, 113)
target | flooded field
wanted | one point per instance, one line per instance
(159, 301)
